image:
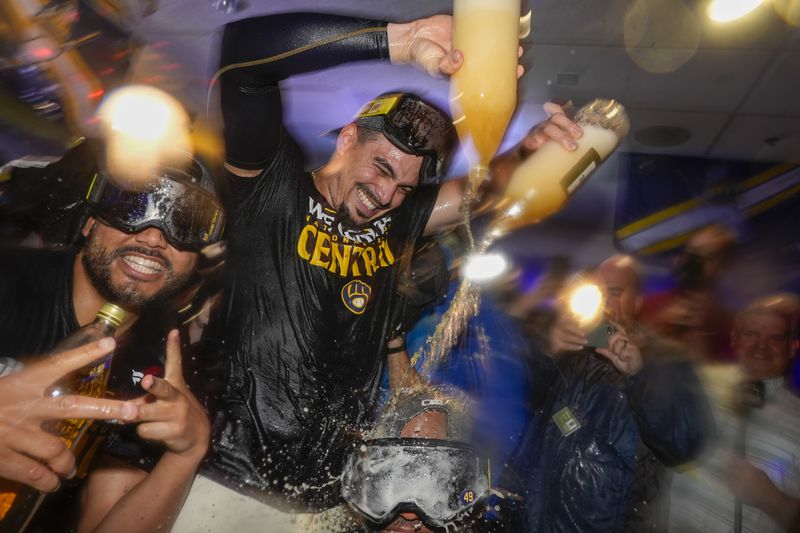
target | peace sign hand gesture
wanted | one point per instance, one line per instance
(169, 412)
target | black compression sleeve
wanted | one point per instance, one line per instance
(273, 48)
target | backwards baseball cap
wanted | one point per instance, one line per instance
(415, 127)
(181, 202)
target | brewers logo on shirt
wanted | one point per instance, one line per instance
(355, 296)
(326, 243)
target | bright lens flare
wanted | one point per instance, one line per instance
(145, 128)
(143, 119)
(728, 10)
(586, 302)
(484, 267)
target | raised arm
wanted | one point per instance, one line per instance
(259, 52)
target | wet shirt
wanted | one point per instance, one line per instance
(302, 328)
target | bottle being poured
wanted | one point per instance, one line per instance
(483, 92)
(551, 175)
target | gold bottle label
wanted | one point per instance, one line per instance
(580, 171)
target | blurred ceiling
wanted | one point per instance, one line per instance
(692, 87)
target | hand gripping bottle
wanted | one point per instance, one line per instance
(19, 502)
(548, 177)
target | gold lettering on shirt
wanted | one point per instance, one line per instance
(345, 252)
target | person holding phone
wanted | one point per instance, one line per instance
(609, 421)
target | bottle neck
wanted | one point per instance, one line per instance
(110, 327)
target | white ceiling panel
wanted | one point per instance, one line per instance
(776, 92)
(595, 71)
(760, 138)
(714, 81)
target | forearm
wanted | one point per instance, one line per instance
(151, 505)
(259, 52)
(399, 369)
(280, 46)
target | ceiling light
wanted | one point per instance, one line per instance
(728, 10)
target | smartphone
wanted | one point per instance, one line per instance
(598, 337)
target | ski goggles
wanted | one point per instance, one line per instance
(415, 127)
(189, 216)
(438, 480)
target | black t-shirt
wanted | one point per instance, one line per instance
(303, 329)
(35, 300)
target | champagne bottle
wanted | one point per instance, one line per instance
(543, 182)
(19, 502)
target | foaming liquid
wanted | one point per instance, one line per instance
(483, 92)
(543, 182)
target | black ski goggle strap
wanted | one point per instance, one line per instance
(414, 126)
(189, 216)
(438, 480)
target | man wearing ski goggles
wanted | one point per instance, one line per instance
(189, 216)
(415, 127)
(423, 479)
(143, 242)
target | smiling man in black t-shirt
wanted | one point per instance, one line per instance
(314, 256)
(141, 249)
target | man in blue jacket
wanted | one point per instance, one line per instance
(610, 422)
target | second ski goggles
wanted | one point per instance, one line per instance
(414, 126)
(189, 216)
(438, 480)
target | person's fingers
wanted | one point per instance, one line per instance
(611, 356)
(74, 406)
(46, 448)
(520, 71)
(552, 108)
(570, 331)
(520, 51)
(18, 467)
(450, 63)
(567, 125)
(173, 369)
(50, 369)
(568, 340)
(617, 343)
(157, 412)
(557, 133)
(568, 347)
(161, 431)
(573, 338)
(160, 388)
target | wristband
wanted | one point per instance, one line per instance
(396, 349)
